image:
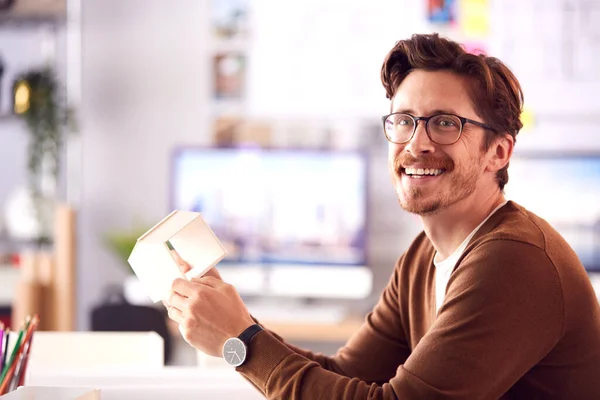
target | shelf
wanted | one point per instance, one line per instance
(228, 107)
(339, 332)
(29, 21)
(236, 45)
(32, 13)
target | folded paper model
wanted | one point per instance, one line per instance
(186, 233)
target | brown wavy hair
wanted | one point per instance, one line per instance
(495, 92)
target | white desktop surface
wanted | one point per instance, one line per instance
(179, 393)
(153, 383)
(52, 393)
(115, 376)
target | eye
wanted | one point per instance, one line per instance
(403, 120)
(446, 122)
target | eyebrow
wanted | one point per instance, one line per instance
(437, 111)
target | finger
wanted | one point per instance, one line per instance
(177, 301)
(209, 281)
(184, 267)
(175, 314)
(214, 273)
(183, 287)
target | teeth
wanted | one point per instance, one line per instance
(421, 171)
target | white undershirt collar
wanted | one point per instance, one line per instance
(444, 268)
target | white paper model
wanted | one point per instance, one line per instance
(190, 236)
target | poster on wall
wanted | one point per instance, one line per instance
(475, 18)
(441, 12)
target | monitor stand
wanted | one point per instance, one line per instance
(299, 293)
(300, 281)
(297, 311)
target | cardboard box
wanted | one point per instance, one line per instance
(52, 393)
(186, 233)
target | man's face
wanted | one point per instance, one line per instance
(423, 94)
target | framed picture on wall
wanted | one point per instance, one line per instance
(229, 18)
(229, 73)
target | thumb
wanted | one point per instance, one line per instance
(183, 266)
(214, 273)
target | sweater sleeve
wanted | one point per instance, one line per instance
(503, 294)
(374, 352)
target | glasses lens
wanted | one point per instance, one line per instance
(444, 129)
(399, 127)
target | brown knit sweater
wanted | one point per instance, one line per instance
(520, 321)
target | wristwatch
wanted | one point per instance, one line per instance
(235, 349)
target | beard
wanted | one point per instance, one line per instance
(429, 201)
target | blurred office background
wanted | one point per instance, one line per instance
(265, 116)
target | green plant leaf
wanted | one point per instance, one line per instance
(121, 243)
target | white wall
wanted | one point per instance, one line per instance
(144, 88)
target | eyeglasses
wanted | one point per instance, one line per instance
(400, 128)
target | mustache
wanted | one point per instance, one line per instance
(426, 160)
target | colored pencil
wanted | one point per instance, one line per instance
(21, 370)
(13, 355)
(1, 343)
(5, 350)
(9, 370)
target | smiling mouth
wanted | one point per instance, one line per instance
(422, 172)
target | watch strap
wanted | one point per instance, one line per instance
(249, 333)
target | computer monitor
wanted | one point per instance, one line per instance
(564, 189)
(293, 221)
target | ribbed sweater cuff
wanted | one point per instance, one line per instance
(264, 355)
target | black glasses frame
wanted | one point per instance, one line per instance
(416, 120)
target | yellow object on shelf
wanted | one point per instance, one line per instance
(22, 97)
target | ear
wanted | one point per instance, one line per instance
(500, 152)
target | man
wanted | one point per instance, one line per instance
(488, 302)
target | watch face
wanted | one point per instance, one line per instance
(234, 352)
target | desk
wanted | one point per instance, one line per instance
(303, 332)
(153, 383)
(315, 332)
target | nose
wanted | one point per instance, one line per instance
(420, 142)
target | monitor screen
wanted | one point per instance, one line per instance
(277, 206)
(565, 191)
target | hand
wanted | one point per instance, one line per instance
(208, 311)
(184, 267)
